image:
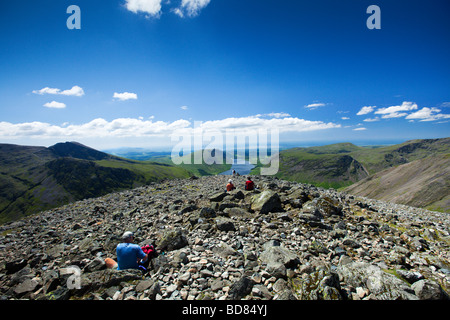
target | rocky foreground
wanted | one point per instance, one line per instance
(284, 241)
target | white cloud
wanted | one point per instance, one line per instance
(372, 119)
(365, 110)
(397, 111)
(55, 105)
(125, 96)
(360, 129)
(345, 118)
(191, 7)
(394, 115)
(139, 128)
(47, 90)
(178, 12)
(75, 91)
(248, 124)
(428, 114)
(184, 108)
(150, 7)
(313, 106)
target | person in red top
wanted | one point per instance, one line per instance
(249, 185)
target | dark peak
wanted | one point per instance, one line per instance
(78, 151)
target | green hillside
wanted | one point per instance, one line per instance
(33, 179)
(331, 166)
(342, 165)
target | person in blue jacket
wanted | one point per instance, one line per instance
(129, 254)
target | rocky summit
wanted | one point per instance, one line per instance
(282, 241)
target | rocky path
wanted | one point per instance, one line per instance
(282, 241)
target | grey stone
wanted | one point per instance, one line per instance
(428, 290)
(172, 240)
(265, 202)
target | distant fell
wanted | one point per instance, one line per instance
(78, 151)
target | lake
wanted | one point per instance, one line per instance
(242, 169)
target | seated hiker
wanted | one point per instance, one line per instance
(129, 254)
(142, 264)
(230, 185)
(249, 184)
(150, 251)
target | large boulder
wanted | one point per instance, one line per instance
(277, 259)
(224, 224)
(240, 288)
(319, 284)
(218, 197)
(428, 290)
(172, 240)
(266, 201)
(381, 285)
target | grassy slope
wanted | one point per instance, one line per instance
(148, 170)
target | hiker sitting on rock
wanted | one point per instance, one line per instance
(129, 254)
(230, 185)
(249, 184)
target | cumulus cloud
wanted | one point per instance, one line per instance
(251, 123)
(150, 7)
(372, 119)
(191, 8)
(153, 8)
(184, 107)
(365, 110)
(428, 114)
(313, 106)
(75, 91)
(136, 128)
(55, 105)
(405, 110)
(47, 90)
(125, 96)
(397, 111)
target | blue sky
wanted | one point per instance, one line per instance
(138, 70)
